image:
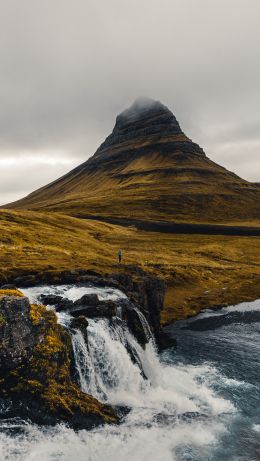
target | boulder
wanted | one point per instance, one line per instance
(36, 369)
(87, 300)
(79, 322)
(107, 309)
(165, 340)
(17, 335)
(26, 280)
(60, 303)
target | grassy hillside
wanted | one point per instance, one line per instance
(172, 188)
(201, 271)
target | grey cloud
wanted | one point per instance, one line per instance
(67, 68)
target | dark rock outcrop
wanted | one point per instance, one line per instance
(79, 322)
(87, 300)
(105, 309)
(146, 291)
(131, 315)
(59, 302)
(146, 120)
(18, 337)
(165, 340)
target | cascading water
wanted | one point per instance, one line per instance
(107, 371)
(190, 407)
(111, 365)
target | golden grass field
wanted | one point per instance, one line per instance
(154, 187)
(201, 271)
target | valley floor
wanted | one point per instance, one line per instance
(201, 271)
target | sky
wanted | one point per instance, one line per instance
(68, 67)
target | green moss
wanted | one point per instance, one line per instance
(12, 292)
(37, 313)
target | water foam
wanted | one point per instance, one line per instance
(174, 413)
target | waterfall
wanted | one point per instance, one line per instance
(176, 411)
(112, 365)
(146, 327)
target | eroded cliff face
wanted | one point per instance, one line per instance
(35, 368)
(145, 127)
(146, 291)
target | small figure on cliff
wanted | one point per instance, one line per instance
(120, 255)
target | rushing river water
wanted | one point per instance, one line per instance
(201, 401)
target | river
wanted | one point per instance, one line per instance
(201, 401)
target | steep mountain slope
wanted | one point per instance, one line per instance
(148, 169)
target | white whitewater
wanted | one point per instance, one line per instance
(172, 413)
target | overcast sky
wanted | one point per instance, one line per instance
(68, 67)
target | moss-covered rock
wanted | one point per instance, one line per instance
(11, 292)
(37, 376)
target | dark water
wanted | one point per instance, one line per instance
(200, 403)
(230, 343)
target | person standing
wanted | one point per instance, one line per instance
(120, 255)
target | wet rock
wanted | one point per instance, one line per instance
(218, 321)
(87, 300)
(145, 291)
(26, 280)
(60, 303)
(50, 300)
(134, 323)
(165, 340)
(17, 335)
(8, 286)
(107, 309)
(80, 322)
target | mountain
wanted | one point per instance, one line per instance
(148, 169)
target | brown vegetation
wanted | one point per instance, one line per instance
(200, 271)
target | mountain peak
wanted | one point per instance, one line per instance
(146, 120)
(146, 126)
(140, 108)
(146, 111)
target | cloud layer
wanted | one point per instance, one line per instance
(67, 68)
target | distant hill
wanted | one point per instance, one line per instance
(148, 169)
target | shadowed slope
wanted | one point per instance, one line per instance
(148, 169)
